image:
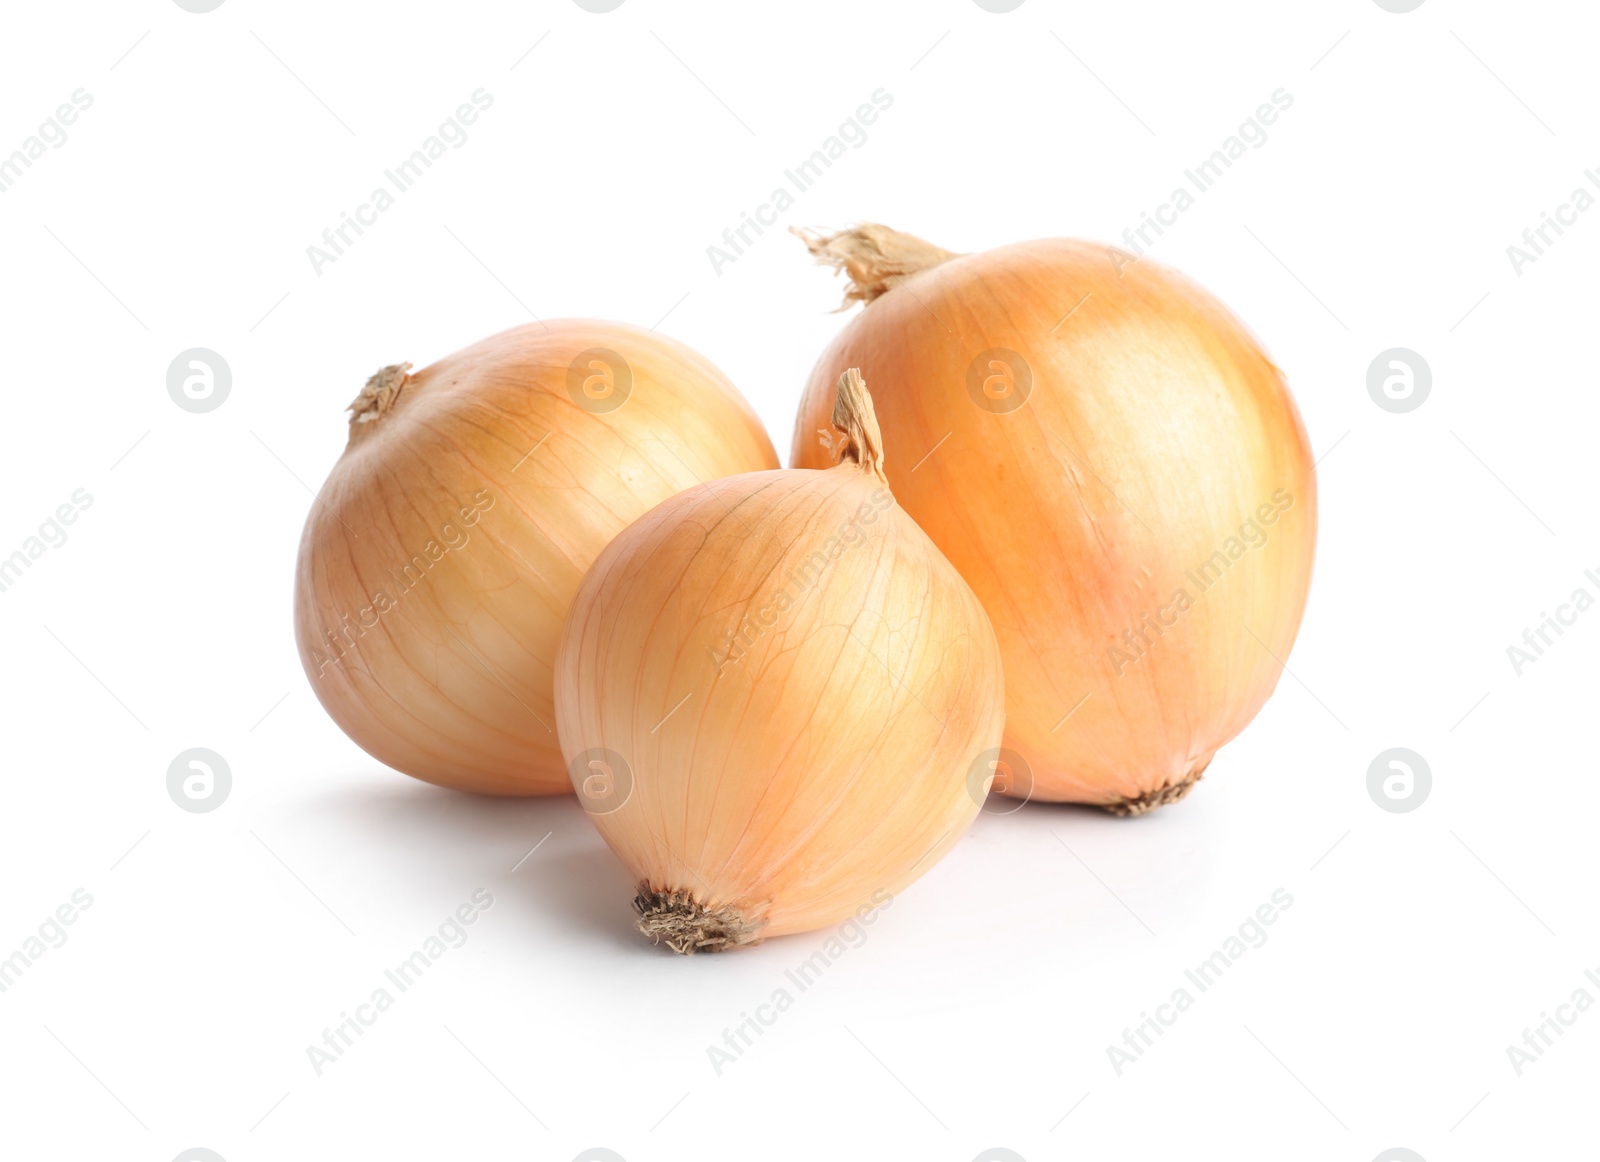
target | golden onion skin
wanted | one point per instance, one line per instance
(775, 770)
(1081, 504)
(438, 564)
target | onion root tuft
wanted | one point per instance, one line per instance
(675, 918)
(1150, 800)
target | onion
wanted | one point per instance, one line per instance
(439, 561)
(1117, 470)
(777, 698)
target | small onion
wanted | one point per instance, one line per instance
(439, 561)
(778, 699)
(1116, 468)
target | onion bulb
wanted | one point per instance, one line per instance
(440, 558)
(777, 699)
(1119, 472)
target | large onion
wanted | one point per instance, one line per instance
(1116, 468)
(439, 561)
(778, 699)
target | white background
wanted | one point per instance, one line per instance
(978, 1013)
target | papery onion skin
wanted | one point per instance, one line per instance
(437, 566)
(1156, 429)
(782, 768)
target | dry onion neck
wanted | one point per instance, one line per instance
(875, 258)
(379, 394)
(860, 440)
